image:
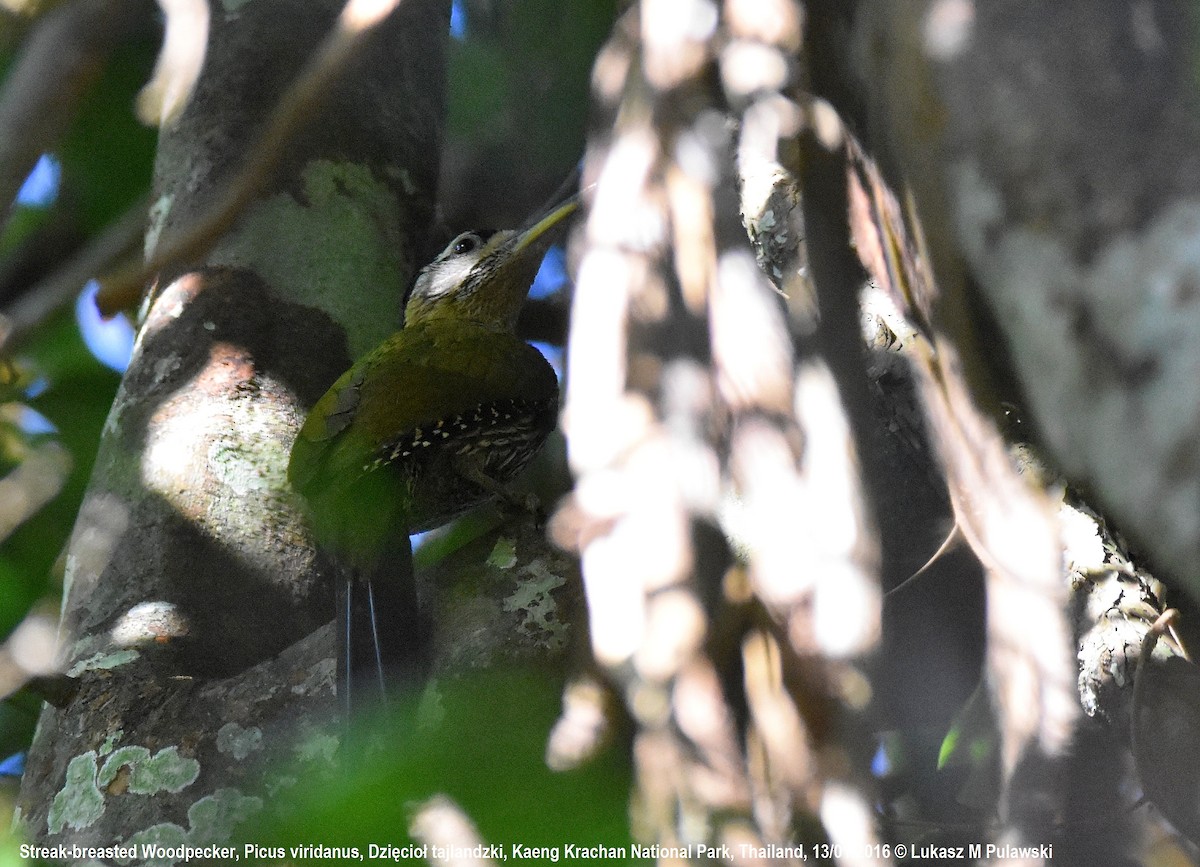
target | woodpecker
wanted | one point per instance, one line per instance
(430, 424)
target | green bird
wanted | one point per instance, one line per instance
(430, 424)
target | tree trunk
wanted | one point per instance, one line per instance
(195, 596)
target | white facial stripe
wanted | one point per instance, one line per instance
(451, 269)
(444, 276)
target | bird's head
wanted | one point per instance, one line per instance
(483, 276)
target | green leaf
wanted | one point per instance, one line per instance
(480, 742)
(972, 736)
(77, 399)
(108, 155)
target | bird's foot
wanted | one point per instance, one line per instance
(523, 507)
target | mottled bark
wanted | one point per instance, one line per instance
(1046, 159)
(191, 576)
(1053, 149)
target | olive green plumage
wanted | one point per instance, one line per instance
(431, 423)
(398, 436)
(428, 424)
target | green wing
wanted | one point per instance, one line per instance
(416, 377)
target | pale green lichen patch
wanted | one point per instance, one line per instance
(80, 802)
(279, 783)
(120, 758)
(19, 827)
(165, 771)
(110, 742)
(157, 217)
(211, 821)
(319, 677)
(337, 250)
(166, 834)
(504, 554)
(102, 661)
(317, 747)
(214, 817)
(533, 598)
(149, 774)
(237, 741)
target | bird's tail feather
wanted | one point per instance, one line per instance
(382, 634)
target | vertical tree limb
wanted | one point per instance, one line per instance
(190, 574)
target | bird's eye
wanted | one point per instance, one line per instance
(468, 242)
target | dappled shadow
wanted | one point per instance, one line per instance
(195, 455)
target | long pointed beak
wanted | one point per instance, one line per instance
(538, 231)
(508, 270)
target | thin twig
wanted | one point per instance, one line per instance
(60, 288)
(1161, 627)
(952, 541)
